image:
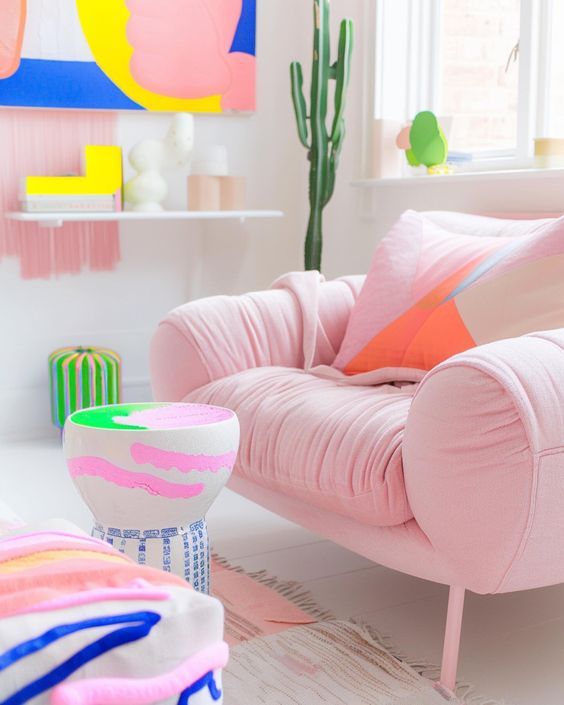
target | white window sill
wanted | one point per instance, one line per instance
(460, 177)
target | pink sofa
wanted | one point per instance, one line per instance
(459, 479)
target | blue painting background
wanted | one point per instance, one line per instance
(245, 36)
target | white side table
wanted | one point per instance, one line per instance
(149, 473)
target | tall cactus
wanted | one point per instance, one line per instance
(324, 145)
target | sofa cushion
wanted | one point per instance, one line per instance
(335, 446)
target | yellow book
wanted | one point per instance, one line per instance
(103, 175)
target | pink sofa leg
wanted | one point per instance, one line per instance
(453, 630)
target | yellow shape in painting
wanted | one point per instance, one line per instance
(104, 23)
(102, 176)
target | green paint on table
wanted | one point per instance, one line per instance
(105, 416)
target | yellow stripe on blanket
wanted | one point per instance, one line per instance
(38, 560)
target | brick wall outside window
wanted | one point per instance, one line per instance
(478, 36)
(555, 126)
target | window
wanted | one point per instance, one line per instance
(478, 73)
(495, 68)
(553, 120)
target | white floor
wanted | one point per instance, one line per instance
(513, 645)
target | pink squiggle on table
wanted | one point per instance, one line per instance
(185, 462)
(140, 592)
(91, 466)
(175, 416)
(142, 691)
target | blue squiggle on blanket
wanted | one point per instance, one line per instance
(207, 680)
(139, 626)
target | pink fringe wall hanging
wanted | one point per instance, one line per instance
(50, 142)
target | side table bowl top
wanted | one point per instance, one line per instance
(155, 464)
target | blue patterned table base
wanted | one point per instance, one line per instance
(184, 550)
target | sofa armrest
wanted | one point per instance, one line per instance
(483, 458)
(301, 320)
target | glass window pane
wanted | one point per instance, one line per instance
(476, 90)
(556, 73)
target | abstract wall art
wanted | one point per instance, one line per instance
(173, 56)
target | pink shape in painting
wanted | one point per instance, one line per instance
(182, 51)
(12, 23)
(241, 94)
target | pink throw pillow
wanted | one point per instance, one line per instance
(432, 292)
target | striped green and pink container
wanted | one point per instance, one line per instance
(82, 377)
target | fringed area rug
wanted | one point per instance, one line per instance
(286, 650)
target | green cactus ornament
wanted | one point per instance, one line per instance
(323, 143)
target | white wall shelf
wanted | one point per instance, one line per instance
(56, 220)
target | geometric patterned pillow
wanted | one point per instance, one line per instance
(431, 293)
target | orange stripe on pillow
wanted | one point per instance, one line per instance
(390, 347)
(12, 27)
(442, 335)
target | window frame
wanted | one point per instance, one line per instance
(415, 51)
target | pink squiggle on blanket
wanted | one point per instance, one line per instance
(21, 546)
(143, 691)
(140, 590)
(185, 462)
(91, 466)
(9, 553)
(36, 537)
